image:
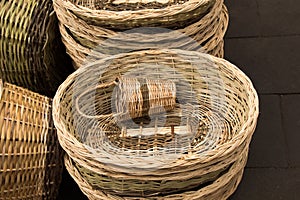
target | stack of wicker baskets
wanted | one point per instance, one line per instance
(156, 124)
(31, 52)
(31, 158)
(86, 24)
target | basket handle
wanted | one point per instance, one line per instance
(104, 85)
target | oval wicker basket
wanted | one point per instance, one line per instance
(126, 15)
(31, 52)
(31, 157)
(213, 120)
(80, 38)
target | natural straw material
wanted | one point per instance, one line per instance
(142, 188)
(31, 52)
(126, 15)
(81, 38)
(213, 120)
(31, 158)
(141, 97)
(220, 188)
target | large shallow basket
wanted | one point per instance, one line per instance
(201, 133)
(129, 14)
(31, 52)
(31, 158)
(80, 38)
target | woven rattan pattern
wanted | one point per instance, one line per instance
(31, 158)
(121, 5)
(207, 35)
(220, 188)
(240, 111)
(63, 100)
(142, 188)
(168, 16)
(31, 52)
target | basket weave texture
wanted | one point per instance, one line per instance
(31, 157)
(31, 52)
(170, 154)
(130, 14)
(82, 38)
(220, 188)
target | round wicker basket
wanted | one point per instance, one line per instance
(130, 14)
(31, 52)
(31, 157)
(200, 133)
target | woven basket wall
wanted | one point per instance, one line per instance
(31, 52)
(130, 14)
(220, 107)
(220, 188)
(82, 38)
(31, 158)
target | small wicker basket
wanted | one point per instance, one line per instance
(31, 158)
(193, 140)
(31, 52)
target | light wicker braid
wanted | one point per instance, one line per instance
(121, 5)
(170, 15)
(207, 35)
(230, 142)
(220, 188)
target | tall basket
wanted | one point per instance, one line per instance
(31, 158)
(31, 52)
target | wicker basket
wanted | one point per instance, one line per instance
(220, 188)
(201, 134)
(81, 38)
(130, 14)
(31, 52)
(31, 158)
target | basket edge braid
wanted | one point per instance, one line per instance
(135, 15)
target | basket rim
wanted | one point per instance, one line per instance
(147, 13)
(229, 146)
